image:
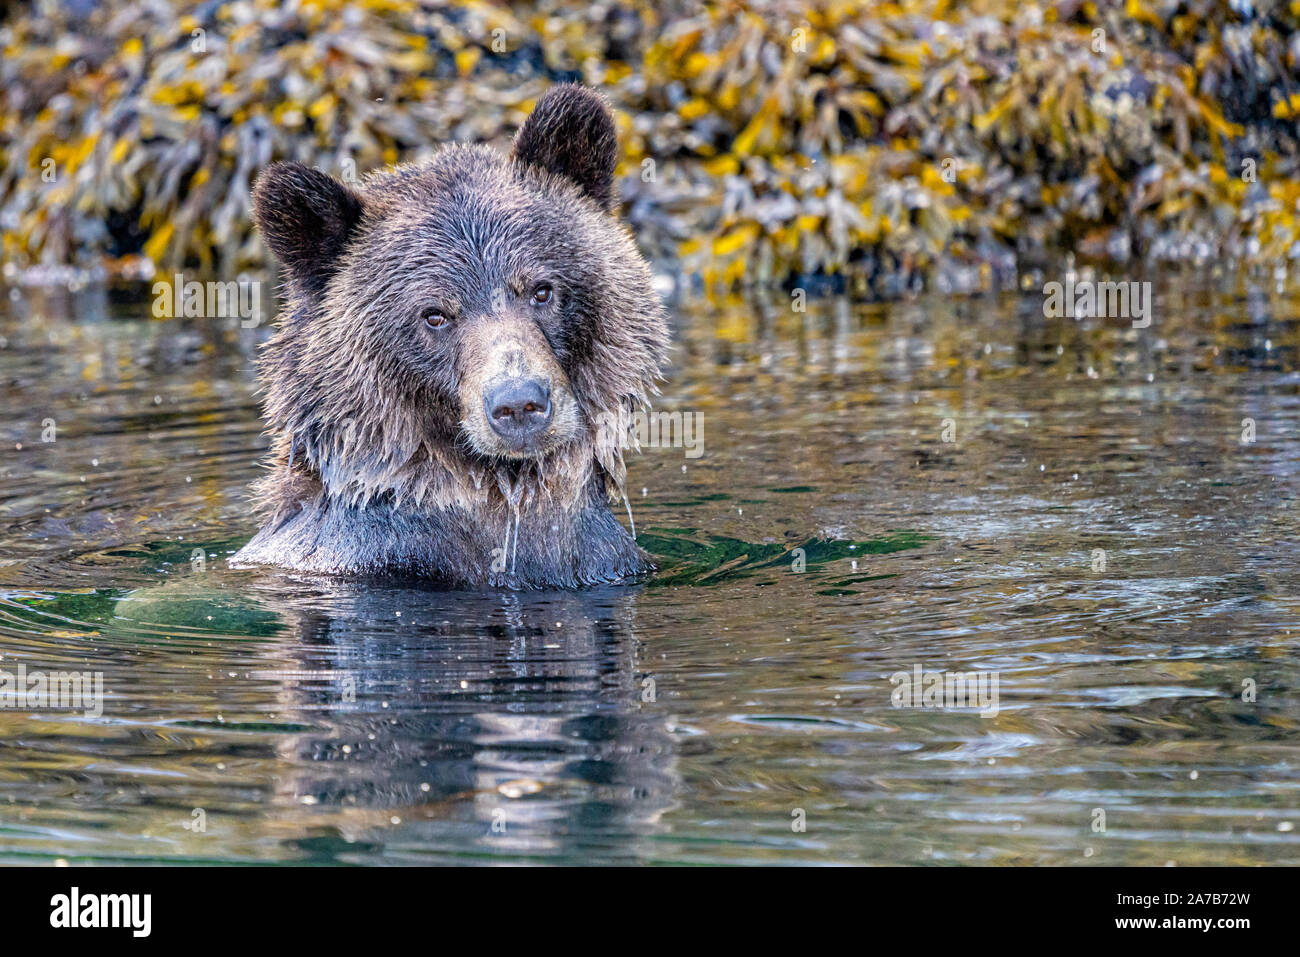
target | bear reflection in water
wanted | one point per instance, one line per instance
(498, 722)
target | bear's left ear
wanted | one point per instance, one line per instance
(571, 133)
(307, 218)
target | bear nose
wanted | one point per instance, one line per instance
(518, 408)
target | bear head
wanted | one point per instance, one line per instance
(470, 331)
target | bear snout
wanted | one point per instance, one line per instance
(516, 400)
(518, 409)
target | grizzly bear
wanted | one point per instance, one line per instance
(457, 338)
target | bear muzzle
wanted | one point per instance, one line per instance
(518, 409)
(515, 398)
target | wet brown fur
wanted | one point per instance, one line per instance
(379, 439)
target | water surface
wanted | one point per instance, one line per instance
(1097, 533)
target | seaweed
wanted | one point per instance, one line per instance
(893, 146)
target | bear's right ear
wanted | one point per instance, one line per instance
(306, 217)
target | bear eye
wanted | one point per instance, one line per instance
(542, 294)
(435, 318)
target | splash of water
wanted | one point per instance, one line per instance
(514, 495)
(515, 550)
(630, 520)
